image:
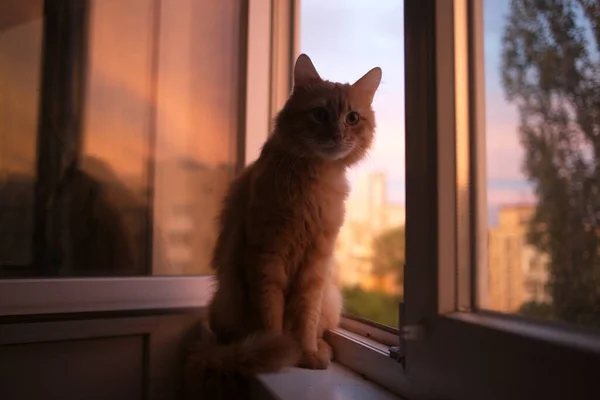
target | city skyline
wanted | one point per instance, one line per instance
(396, 191)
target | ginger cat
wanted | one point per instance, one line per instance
(277, 231)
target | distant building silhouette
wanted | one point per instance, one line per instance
(369, 213)
(517, 272)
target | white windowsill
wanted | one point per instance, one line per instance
(97, 294)
(335, 383)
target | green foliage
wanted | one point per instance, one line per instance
(389, 250)
(376, 306)
(534, 309)
(551, 72)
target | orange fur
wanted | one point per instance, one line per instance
(278, 227)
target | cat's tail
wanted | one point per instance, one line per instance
(258, 353)
(223, 371)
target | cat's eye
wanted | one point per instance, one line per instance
(352, 118)
(320, 114)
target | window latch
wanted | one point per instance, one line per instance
(412, 332)
(406, 333)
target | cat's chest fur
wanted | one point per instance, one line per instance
(328, 192)
(299, 211)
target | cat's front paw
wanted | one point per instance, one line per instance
(321, 359)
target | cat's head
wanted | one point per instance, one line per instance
(328, 120)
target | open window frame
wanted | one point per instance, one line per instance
(367, 347)
(359, 344)
(460, 351)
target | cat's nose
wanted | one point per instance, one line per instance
(337, 137)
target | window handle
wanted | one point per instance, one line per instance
(406, 333)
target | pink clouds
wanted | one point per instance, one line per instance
(503, 151)
(498, 197)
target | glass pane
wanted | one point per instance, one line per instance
(370, 247)
(197, 128)
(21, 26)
(542, 67)
(138, 137)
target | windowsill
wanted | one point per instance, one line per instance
(335, 383)
(362, 369)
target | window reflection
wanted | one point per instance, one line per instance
(543, 143)
(137, 130)
(197, 128)
(21, 25)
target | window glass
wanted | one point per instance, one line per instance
(542, 69)
(360, 35)
(21, 27)
(197, 129)
(138, 143)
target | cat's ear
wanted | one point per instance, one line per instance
(304, 71)
(368, 84)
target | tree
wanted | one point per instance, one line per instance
(388, 248)
(537, 310)
(373, 305)
(551, 71)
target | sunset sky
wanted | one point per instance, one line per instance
(346, 38)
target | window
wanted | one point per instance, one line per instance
(370, 248)
(180, 238)
(20, 64)
(494, 123)
(111, 163)
(499, 294)
(541, 67)
(122, 125)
